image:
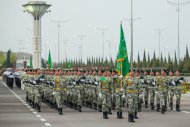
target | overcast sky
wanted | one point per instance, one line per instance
(84, 16)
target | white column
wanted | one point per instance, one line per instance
(37, 44)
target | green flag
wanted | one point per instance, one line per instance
(49, 61)
(31, 66)
(122, 62)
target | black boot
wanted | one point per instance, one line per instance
(163, 110)
(171, 105)
(79, 108)
(139, 106)
(60, 110)
(131, 118)
(95, 106)
(105, 115)
(39, 108)
(110, 111)
(135, 116)
(99, 108)
(158, 108)
(146, 104)
(152, 106)
(178, 108)
(119, 115)
(166, 105)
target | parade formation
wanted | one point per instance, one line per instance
(103, 90)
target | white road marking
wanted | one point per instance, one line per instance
(42, 119)
(38, 115)
(185, 99)
(28, 107)
(35, 112)
(185, 111)
(48, 124)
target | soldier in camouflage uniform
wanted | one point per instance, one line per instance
(132, 96)
(100, 100)
(152, 88)
(160, 92)
(118, 83)
(178, 80)
(58, 92)
(105, 94)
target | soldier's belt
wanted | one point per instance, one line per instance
(132, 91)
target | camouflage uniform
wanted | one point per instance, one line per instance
(105, 94)
(132, 97)
(118, 94)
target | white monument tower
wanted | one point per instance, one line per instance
(37, 9)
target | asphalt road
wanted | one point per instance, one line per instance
(14, 112)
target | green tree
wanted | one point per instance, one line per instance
(2, 59)
(144, 64)
(8, 60)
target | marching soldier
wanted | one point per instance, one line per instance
(132, 96)
(178, 80)
(118, 82)
(105, 94)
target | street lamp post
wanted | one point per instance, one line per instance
(159, 37)
(178, 5)
(103, 30)
(58, 22)
(131, 20)
(81, 44)
(37, 9)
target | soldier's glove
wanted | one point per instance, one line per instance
(54, 93)
(153, 83)
(173, 83)
(123, 96)
(121, 89)
(96, 83)
(74, 83)
(100, 95)
(121, 76)
(180, 81)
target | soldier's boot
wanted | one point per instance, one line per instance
(51, 104)
(105, 115)
(139, 106)
(178, 108)
(146, 104)
(152, 106)
(158, 108)
(79, 108)
(119, 115)
(54, 105)
(171, 105)
(99, 108)
(123, 104)
(131, 118)
(33, 105)
(135, 116)
(163, 109)
(110, 112)
(90, 105)
(39, 108)
(60, 111)
(75, 106)
(165, 105)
